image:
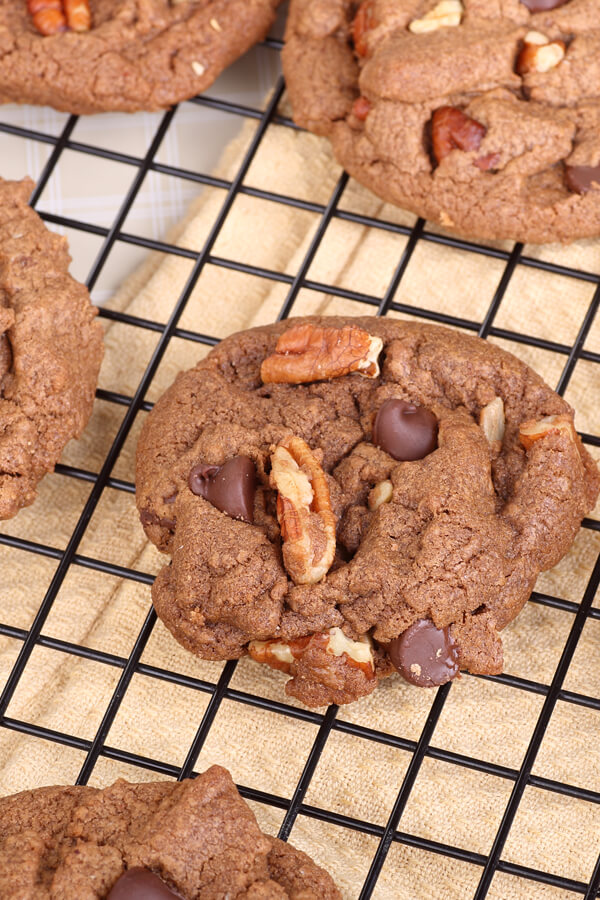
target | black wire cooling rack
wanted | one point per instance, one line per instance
(327, 723)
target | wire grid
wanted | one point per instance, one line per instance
(222, 689)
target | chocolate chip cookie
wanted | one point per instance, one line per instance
(192, 840)
(122, 55)
(480, 115)
(50, 349)
(344, 499)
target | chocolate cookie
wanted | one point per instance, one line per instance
(122, 55)
(192, 840)
(50, 349)
(480, 115)
(346, 498)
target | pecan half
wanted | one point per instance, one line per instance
(452, 129)
(530, 432)
(56, 16)
(304, 511)
(314, 353)
(283, 654)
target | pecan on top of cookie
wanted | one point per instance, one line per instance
(481, 116)
(396, 522)
(56, 16)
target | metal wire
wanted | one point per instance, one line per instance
(420, 749)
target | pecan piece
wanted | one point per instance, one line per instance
(364, 21)
(314, 353)
(530, 432)
(539, 54)
(283, 654)
(304, 511)
(361, 108)
(492, 420)
(452, 129)
(447, 13)
(381, 493)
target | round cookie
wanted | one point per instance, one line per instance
(190, 840)
(50, 349)
(136, 55)
(482, 115)
(346, 498)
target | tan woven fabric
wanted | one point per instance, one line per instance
(489, 721)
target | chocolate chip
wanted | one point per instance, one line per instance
(141, 884)
(425, 655)
(582, 179)
(405, 431)
(535, 6)
(230, 487)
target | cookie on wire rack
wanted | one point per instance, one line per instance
(122, 55)
(347, 498)
(190, 840)
(482, 116)
(50, 349)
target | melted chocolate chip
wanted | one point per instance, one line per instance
(425, 655)
(141, 884)
(230, 487)
(582, 179)
(405, 431)
(535, 6)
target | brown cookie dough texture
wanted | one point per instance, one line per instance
(50, 349)
(457, 537)
(374, 96)
(139, 54)
(198, 837)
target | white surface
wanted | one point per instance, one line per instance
(91, 189)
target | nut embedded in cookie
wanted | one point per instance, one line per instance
(530, 432)
(56, 16)
(312, 353)
(304, 511)
(539, 53)
(446, 14)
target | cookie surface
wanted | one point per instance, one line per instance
(191, 840)
(482, 115)
(137, 55)
(432, 492)
(50, 349)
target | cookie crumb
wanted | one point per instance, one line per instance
(198, 68)
(214, 24)
(415, 669)
(445, 219)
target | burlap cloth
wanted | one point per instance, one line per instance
(486, 720)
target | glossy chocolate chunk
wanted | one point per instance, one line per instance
(535, 6)
(405, 431)
(141, 884)
(425, 655)
(230, 487)
(581, 179)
